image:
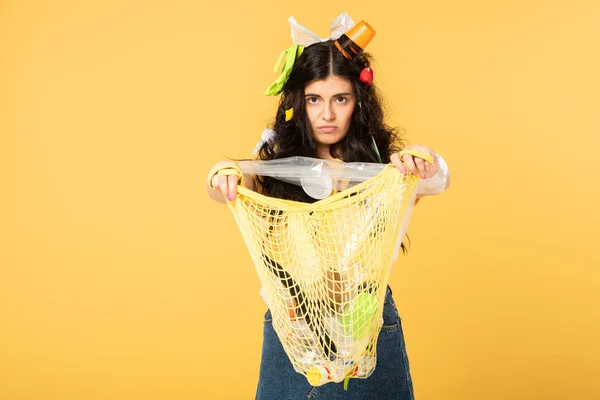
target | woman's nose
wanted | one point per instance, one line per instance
(328, 114)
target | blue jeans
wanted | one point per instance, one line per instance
(390, 380)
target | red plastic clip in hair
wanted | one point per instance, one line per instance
(366, 76)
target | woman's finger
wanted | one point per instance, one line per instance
(434, 167)
(420, 163)
(232, 180)
(395, 159)
(410, 164)
(215, 182)
(223, 186)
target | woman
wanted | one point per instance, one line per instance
(330, 109)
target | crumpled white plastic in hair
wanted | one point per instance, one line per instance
(304, 37)
(268, 136)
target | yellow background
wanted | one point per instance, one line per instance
(120, 279)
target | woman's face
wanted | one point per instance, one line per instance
(329, 106)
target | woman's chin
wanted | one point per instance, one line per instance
(328, 139)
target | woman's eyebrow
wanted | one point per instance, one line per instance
(335, 95)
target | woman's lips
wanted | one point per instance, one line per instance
(327, 128)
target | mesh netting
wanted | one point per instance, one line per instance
(324, 268)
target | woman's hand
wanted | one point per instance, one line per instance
(225, 185)
(415, 165)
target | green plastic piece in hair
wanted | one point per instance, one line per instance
(376, 149)
(346, 380)
(291, 55)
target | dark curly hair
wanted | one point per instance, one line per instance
(293, 138)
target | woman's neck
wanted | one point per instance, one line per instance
(324, 153)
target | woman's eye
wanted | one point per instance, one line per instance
(341, 100)
(312, 100)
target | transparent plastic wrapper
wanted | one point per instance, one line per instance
(437, 183)
(317, 177)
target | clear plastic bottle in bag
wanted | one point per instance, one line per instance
(365, 366)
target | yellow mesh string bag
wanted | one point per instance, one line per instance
(324, 268)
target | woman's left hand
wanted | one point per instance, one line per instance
(415, 165)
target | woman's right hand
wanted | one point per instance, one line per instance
(226, 185)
